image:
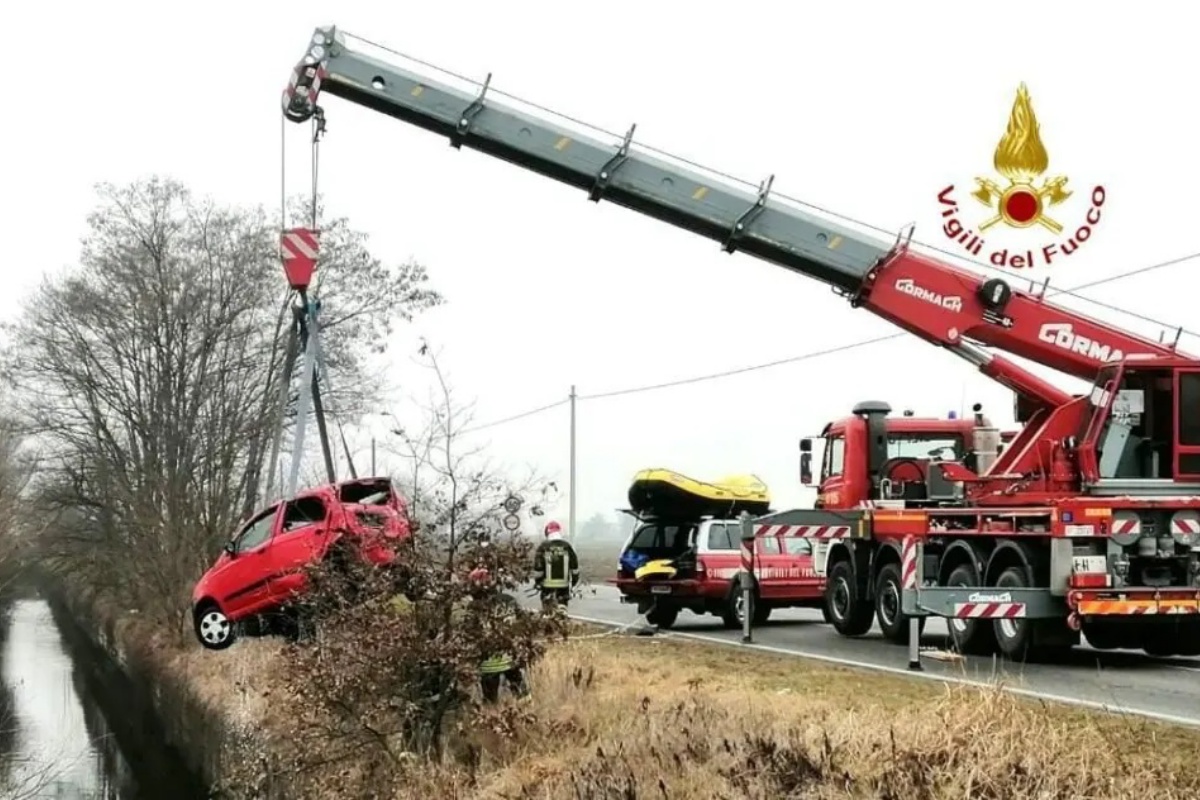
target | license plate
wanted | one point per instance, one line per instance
(660, 590)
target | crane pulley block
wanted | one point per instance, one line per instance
(300, 248)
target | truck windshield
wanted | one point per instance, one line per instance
(919, 445)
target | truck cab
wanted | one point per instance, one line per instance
(871, 456)
(668, 565)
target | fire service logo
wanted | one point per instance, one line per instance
(1023, 197)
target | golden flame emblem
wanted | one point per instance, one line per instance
(1022, 159)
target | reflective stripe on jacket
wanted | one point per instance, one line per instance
(496, 664)
(555, 559)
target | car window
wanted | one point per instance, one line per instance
(797, 547)
(658, 535)
(768, 545)
(256, 532)
(720, 537)
(303, 511)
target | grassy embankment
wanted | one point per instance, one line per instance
(631, 718)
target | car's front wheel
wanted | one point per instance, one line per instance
(213, 628)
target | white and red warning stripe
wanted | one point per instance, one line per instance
(1126, 524)
(302, 243)
(989, 610)
(1181, 523)
(747, 551)
(313, 90)
(803, 531)
(908, 563)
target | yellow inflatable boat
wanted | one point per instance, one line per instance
(663, 493)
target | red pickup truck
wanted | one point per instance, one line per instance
(705, 568)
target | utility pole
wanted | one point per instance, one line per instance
(373, 472)
(571, 500)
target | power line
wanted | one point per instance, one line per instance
(811, 355)
(515, 417)
(740, 370)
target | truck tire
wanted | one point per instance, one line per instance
(1188, 643)
(850, 614)
(1014, 637)
(969, 636)
(892, 621)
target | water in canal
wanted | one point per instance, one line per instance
(55, 741)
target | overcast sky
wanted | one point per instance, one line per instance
(869, 109)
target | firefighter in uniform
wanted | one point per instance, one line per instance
(555, 567)
(500, 666)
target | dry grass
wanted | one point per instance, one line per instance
(638, 717)
(647, 718)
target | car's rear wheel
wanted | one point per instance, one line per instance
(214, 630)
(662, 616)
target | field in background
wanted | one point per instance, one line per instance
(597, 559)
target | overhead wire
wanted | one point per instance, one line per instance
(753, 185)
(803, 356)
(515, 417)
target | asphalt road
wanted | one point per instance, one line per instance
(1113, 680)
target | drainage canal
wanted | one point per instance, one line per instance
(72, 725)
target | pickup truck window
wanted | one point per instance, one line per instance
(768, 545)
(721, 537)
(798, 547)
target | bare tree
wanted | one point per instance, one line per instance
(395, 661)
(147, 373)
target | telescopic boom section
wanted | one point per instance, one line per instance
(945, 305)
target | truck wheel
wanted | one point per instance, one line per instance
(731, 611)
(850, 614)
(1188, 642)
(1104, 636)
(969, 636)
(1014, 637)
(892, 621)
(662, 616)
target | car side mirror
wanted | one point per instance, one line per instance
(230, 549)
(806, 477)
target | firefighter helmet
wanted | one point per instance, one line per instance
(552, 528)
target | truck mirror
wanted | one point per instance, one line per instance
(806, 445)
(806, 469)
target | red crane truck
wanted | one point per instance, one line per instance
(1089, 520)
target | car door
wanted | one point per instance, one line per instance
(801, 574)
(246, 577)
(299, 541)
(770, 566)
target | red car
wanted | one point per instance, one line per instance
(703, 571)
(262, 567)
